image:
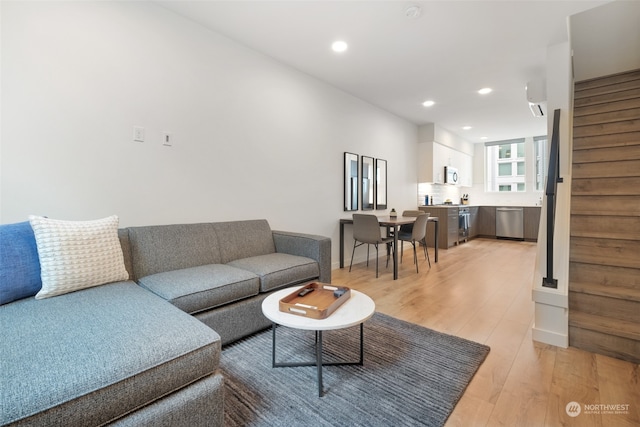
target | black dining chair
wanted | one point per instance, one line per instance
(366, 231)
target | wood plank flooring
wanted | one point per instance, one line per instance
(481, 291)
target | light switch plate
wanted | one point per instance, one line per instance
(138, 134)
(167, 139)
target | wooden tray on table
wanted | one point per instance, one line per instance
(315, 300)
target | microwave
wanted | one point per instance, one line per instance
(450, 175)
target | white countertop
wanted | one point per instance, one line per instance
(474, 205)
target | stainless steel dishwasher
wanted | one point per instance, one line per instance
(510, 223)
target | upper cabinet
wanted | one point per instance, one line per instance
(426, 160)
(438, 148)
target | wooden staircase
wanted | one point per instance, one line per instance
(604, 269)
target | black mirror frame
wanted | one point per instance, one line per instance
(381, 184)
(367, 188)
(351, 182)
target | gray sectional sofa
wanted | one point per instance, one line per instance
(221, 272)
(146, 351)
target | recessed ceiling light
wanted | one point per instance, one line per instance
(466, 127)
(484, 137)
(428, 103)
(485, 90)
(339, 46)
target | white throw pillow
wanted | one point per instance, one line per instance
(77, 254)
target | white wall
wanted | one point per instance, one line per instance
(605, 39)
(252, 137)
(551, 323)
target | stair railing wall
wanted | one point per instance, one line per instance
(553, 178)
(551, 304)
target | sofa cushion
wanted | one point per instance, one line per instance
(77, 254)
(202, 288)
(277, 270)
(159, 248)
(19, 262)
(88, 357)
(244, 239)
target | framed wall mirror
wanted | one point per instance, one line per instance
(367, 186)
(350, 182)
(381, 184)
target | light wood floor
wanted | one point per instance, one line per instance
(481, 291)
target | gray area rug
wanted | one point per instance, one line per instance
(412, 376)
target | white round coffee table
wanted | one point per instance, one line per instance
(355, 311)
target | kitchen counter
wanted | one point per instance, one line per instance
(421, 207)
(482, 222)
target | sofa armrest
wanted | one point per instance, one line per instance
(308, 245)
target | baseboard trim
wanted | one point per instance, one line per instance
(549, 337)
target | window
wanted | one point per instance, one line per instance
(540, 148)
(506, 165)
(504, 152)
(504, 169)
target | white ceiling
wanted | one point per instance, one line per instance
(395, 62)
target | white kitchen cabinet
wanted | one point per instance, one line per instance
(437, 148)
(464, 163)
(433, 157)
(426, 161)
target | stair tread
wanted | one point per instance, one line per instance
(607, 117)
(609, 154)
(607, 107)
(615, 327)
(608, 80)
(607, 169)
(606, 205)
(605, 89)
(605, 226)
(606, 141)
(611, 252)
(603, 98)
(623, 126)
(620, 292)
(617, 186)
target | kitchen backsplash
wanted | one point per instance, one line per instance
(512, 198)
(438, 193)
(477, 196)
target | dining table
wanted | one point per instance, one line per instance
(392, 224)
